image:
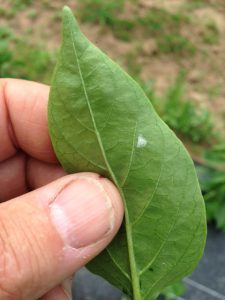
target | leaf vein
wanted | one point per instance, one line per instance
(131, 157)
(118, 266)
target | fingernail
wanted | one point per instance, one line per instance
(82, 212)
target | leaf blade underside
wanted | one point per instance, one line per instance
(101, 121)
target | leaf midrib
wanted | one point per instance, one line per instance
(133, 267)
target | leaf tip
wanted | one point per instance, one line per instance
(68, 17)
(66, 10)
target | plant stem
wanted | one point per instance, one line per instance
(133, 267)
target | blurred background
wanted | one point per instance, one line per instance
(175, 49)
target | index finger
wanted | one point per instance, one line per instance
(23, 120)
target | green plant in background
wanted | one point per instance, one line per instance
(133, 67)
(195, 4)
(5, 13)
(177, 44)
(214, 91)
(39, 63)
(217, 153)
(172, 292)
(121, 137)
(100, 11)
(13, 7)
(211, 34)
(5, 52)
(27, 62)
(124, 298)
(20, 4)
(166, 27)
(122, 29)
(182, 114)
(107, 13)
(214, 195)
(32, 14)
(212, 180)
(160, 21)
(157, 23)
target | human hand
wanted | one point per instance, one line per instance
(47, 230)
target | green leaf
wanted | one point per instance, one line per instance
(100, 120)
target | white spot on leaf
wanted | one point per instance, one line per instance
(142, 142)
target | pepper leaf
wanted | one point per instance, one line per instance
(101, 121)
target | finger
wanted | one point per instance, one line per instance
(40, 173)
(23, 119)
(61, 292)
(20, 174)
(56, 293)
(12, 177)
(48, 234)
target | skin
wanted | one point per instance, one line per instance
(36, 260)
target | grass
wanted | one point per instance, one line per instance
(32, 14)
(5, 53)
(57, 17)
(217, 153)
(214, 91)
(164, 26)
(100, 11)
(176, 44)
(14, 6)
(7, 13)
(211, 34)
(134, 68)
(159, 20)
(122, 28)
(106, 13)
(27, 62)
(3, 12)
(20, 4)
(195, 4)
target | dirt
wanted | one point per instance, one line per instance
(205, 69)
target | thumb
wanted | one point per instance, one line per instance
(48, 234)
